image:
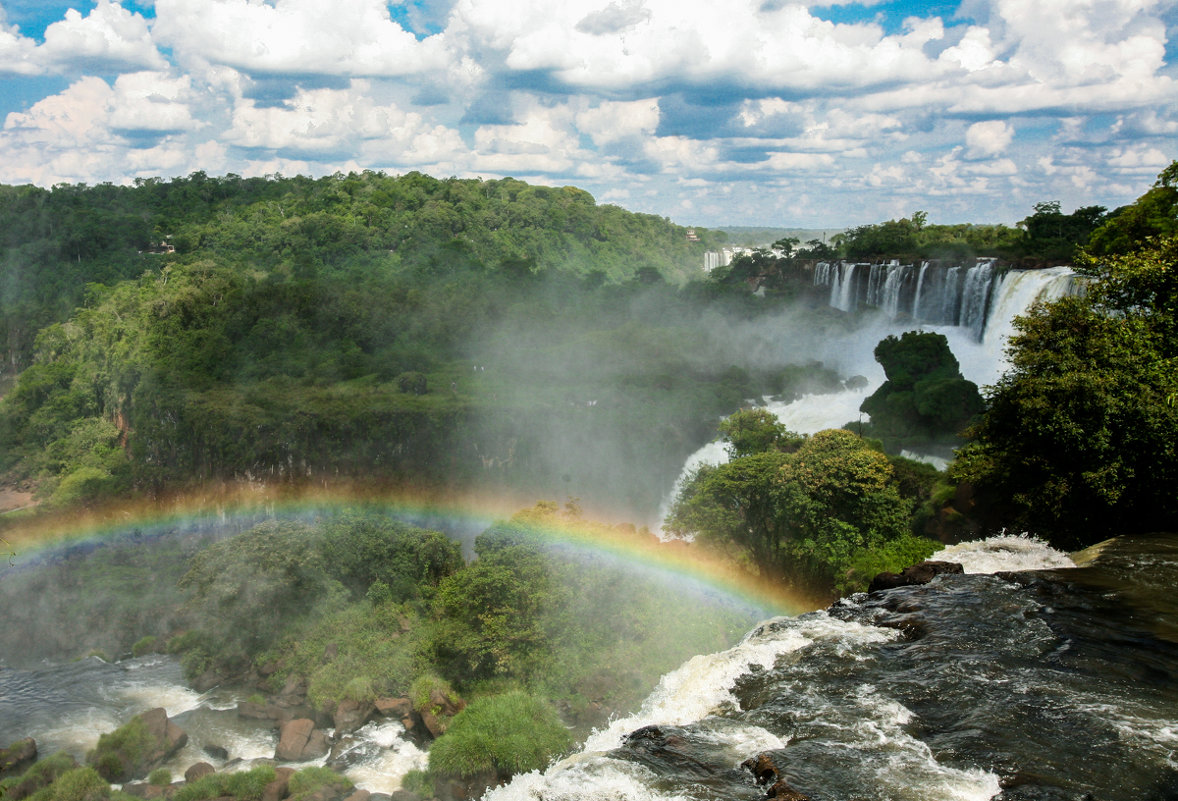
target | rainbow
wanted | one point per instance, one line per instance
(28, 535)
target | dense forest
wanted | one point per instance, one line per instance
(413, 333)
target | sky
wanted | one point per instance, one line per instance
(708, 112)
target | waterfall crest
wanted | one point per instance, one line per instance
(967, 296)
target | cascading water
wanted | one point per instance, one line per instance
(1047, 685)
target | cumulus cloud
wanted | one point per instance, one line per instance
(110, 38)
(986, 139)
(745, 105)
(295, 37)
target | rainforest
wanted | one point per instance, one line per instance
(370, 468)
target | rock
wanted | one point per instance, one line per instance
(300, 741)
(217, 752)
(137, 747)
(351, 715)
(17, 757)
(922, 573)
(765, 771)
(280, 787)
(442, 704)
(198, 771)
(401, 795)
(394, 707)
(433, 724)
(359, 795)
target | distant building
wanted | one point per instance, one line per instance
(691, 235)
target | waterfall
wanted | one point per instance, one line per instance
(1018, 291)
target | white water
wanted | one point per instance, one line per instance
(1004, 552)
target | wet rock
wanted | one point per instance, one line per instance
(198, 771)
(433, 724)
(217, 752)
(765, 772)
(300, 741)
(460, 789)
(359, 795)
(922, 573)
(351, 715)
(17, 757)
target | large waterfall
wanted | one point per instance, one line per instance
(936, 293)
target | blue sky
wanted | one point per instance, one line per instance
(710, 112)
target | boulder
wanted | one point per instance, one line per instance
(300, 741)
(216, 752)
(922, 573)
(17, 757)
(394, 707)
(351, 715)
(135, 749)
(765, 772)
(198, 771)
(280, 787)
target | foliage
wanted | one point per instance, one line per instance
(240, 785)
(750, 431)
(305, 782)
(364, 548)
(1079, 438)
(240, 584)
(504, 734)
(78, 784)
(892, 557)
(160, 777)
(121, 753)
(925, 397)
(803, 515)
(144, 645)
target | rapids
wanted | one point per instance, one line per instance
(1036, 685)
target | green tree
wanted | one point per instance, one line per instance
(803, 515)
(925, 397)
(1079, 440)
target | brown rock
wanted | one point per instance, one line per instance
(280, 787)
(351, 715)
(359, 795)
(198, 771)
(394, 707)
(433, 724)
(300, 741)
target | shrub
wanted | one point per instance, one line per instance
(508, 734)
(891, 557)
(144, 646)
(79, 784)
(243, 786)
(423, 688)
(418, 782)
(119, 752)
(161, 777)
(310, 780)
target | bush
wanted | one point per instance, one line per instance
(144, 646)
(243, 786)
(891, 557)
(418, 782)
(310, 780)
(121, 751)
(79, 784)
(423, 687)
(161, 777)
(508, 734)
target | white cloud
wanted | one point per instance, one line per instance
(986, 139)
(17, 53)
(295, 37)
(109, 38)
(152, 101)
